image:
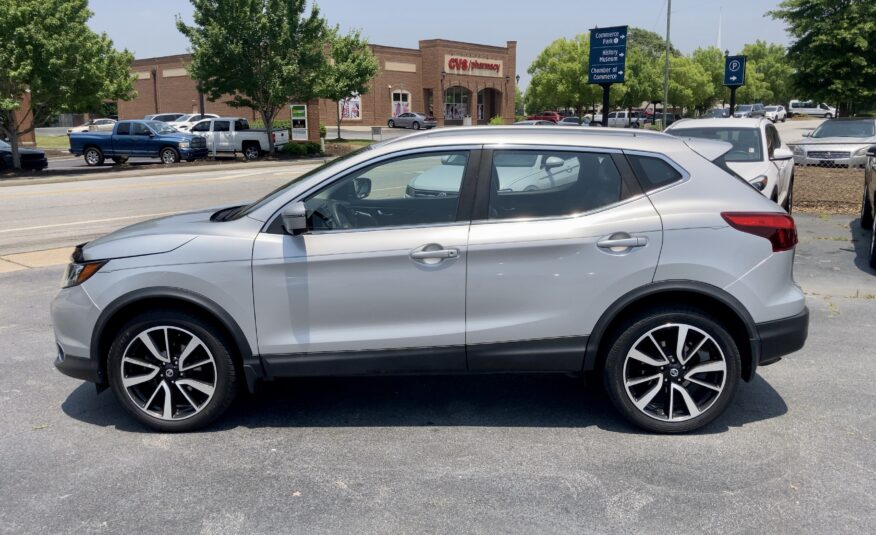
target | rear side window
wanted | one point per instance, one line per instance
(531, 184)
(653, 173)
(124, 129)
(221, 126)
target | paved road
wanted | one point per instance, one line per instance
(35, 217)
(794, 452)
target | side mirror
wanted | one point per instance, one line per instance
(553, 162)
(295, 218)
(807, 133)
(782, 154)
(362, 186)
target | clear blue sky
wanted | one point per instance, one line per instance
(147, 28)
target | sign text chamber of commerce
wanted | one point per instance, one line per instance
(608, 55)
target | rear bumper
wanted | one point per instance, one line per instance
(781, 337)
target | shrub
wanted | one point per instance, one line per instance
(497, 121)
(308, 148)
(322, 130)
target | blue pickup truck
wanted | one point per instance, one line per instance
(145, 139)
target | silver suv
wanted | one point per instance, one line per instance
(629, 254)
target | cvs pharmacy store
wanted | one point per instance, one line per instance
(459, 83)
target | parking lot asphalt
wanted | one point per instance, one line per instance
(481, 454)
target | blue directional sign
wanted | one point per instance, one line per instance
(608, 55)
(734, 71)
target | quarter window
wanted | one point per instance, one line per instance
(409, 191)
(529, 184)
(653, 172)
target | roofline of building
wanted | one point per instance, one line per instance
(447, 42)
(156, 59)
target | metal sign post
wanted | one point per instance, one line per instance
(734, 77)
(608, 59)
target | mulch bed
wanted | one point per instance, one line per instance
(828, 190)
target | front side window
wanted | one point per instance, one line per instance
(532, 184)
(410, 191)
(202, 127)
(140, 129)
(746, 142)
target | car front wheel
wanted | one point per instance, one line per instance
(391, 123)
(169, 155)
(672, 370)
(172, 371)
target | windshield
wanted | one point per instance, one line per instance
(746, 141)
(161, 128)
(248, 209)
(743, 108)
(771, 108)
(864, 128)
(183, 118)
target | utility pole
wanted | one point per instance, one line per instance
(666, 68)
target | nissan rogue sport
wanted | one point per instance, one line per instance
(634, 255)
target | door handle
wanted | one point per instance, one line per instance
(622, 241)
(439, 253)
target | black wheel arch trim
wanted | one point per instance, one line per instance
(591, 355)
(252, 365)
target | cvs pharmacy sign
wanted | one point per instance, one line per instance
(473, 66)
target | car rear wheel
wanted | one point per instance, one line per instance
(390, 123)
(172, 371)
(169, 155)
(93, 156)
(416, 125)
(866, 211)
(119, 160)
(252, 152)
(672, 370)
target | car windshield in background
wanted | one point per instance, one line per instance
(183, 118)
(771, 108)
(865, 128)
(743, 108)
(161, 128)
(746, 141)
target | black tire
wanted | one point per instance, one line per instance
(93, 156)
(866, 211)
(872, 259)
(119, 160)
(169, 155)
(632, 332)
(390, 123)
(828, 116)
(788, 205)
(252, 151)
(415, 125)
(226, 383)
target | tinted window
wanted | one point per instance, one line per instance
(241, 124)
(221, 126)
(653, 172)
(746, 141)
(139, 129)
(202, 127)
(416, 190)
(123, 129)
(529, 184)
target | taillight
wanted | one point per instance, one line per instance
(779, 229)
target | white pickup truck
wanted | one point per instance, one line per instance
(232, 135)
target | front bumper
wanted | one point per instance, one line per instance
(194, 154)
(82, 368)
(74, 316)
(781, 337)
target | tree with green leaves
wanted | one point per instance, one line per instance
(48, 50)
(350, 69)
(770, 60)
(689, 84)
(559, 76)
(833, 48)
(261, 54)
(711, 60)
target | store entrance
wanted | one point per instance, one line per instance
(489, 105)
(456, 102)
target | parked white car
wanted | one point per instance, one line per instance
(758, 154)
(185, 122)
(95, 125)
(625, 119)
(809, 107)
(775, 113)
(232, 135)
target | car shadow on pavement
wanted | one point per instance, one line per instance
(861, 242)
(550, 401)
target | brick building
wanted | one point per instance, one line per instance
(451, 79)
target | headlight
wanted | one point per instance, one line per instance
(79, 272)
(183, 144)
(760, 182)
(862, 151)
(798, 150)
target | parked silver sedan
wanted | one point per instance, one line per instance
(629, 254)
(837, 143)
(413, 120)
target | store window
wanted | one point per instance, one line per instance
(351, 108)
(455, 103)
(401, 102)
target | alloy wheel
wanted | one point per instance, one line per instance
(251, 152)
(674, 372)
(92, 157)
(168, 156)
(169, 373)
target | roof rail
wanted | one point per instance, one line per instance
(490, 130)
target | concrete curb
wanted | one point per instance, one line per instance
(77, 175)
